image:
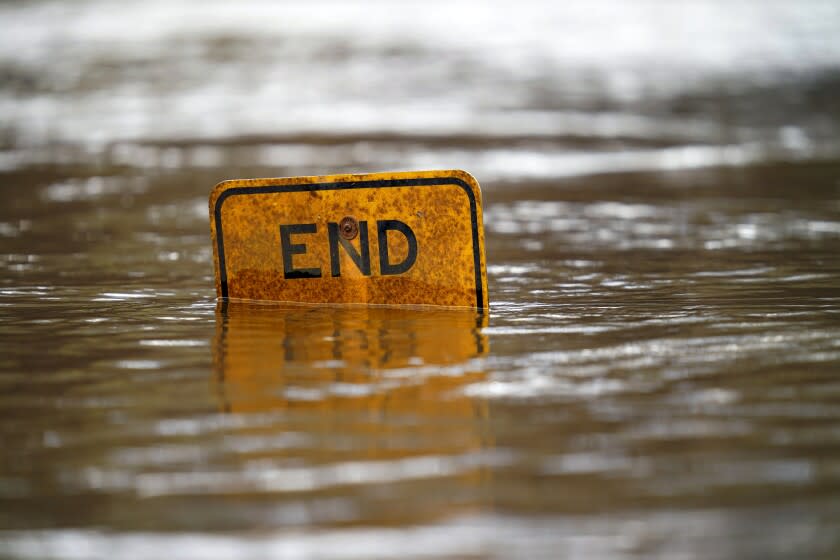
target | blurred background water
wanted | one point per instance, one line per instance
(658, 373)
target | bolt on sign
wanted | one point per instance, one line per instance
(413, 238)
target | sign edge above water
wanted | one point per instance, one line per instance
(465, 180)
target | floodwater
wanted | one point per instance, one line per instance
(658, 373)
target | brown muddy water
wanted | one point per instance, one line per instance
(658, 373)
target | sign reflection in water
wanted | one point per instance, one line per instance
(376, 394)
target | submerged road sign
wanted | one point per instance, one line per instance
(412, 238)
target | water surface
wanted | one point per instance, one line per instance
(657, 376)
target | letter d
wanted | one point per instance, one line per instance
(386, 268)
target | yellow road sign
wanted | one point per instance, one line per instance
(412, 238)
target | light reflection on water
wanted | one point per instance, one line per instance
(621, 399)
(379, 389)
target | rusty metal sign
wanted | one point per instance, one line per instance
(413, 238)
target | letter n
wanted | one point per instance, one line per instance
(362, 260)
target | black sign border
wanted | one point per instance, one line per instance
(362, 184)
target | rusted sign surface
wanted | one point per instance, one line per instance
(412, 238)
